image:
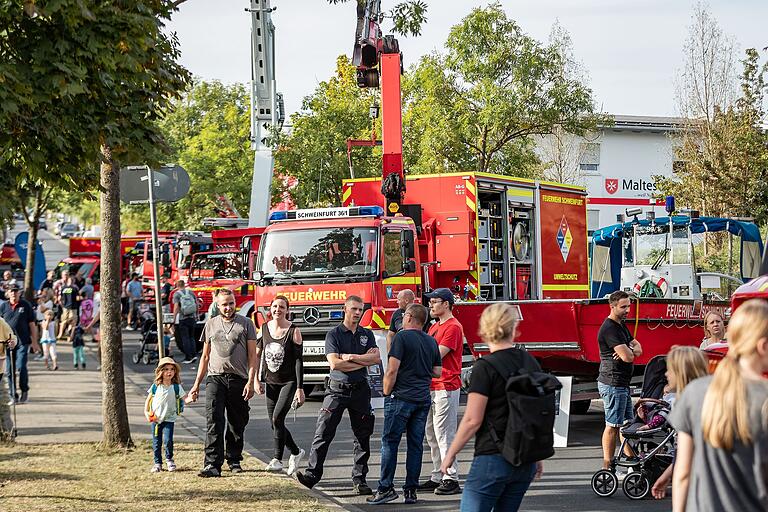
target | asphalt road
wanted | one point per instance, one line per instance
(564, 487)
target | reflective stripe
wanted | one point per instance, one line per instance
(402, 280)
(565, 287)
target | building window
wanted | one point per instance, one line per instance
(593, 220)
(589, 162)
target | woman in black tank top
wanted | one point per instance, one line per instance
(280, 353)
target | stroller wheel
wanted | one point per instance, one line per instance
(604, 483)
(146, 359)
(636, 486)
(136, 357)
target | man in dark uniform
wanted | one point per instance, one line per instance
(350, 350)
(20, 316)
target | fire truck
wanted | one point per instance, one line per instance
(85, 257)
(176, 250)
(224, 267)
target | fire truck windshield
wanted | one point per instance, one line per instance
(319, 253)
(222, 265)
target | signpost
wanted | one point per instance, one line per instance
(167, 184)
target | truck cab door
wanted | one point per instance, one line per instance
(398, 265)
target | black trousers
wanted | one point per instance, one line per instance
(357, 403)
(186, 340)
(279, 398)
(225, 408)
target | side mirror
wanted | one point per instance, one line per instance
(407, 244)
(257, 275)
(409, 266)
(244, 290)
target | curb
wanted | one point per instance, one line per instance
(317, 492)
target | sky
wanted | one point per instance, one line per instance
(631, 50)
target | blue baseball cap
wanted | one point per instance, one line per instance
(441, 293)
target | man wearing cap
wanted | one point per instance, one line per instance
(445, 390)
(20, 316)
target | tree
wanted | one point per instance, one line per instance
(85, 82)
(477, 106)
(208, 134)
(407, 17)
(314, 151)
(722, 151)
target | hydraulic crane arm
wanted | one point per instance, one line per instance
(266, 109)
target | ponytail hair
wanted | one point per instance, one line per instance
(725, 411)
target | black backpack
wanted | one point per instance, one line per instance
(529, 435)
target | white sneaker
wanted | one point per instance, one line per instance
(274, 465)
(156, 468)
(171, 465)
(294, 461)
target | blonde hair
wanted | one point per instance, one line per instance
(725, 412)
(706, 319)
(687, 364)
(498, 323)
(176, 379)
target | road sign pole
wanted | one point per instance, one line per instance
(156, 263)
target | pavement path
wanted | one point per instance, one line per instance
(65, 406)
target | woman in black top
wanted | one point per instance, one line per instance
(280, 353)
(492, 482)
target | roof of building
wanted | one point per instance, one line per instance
(650, 123)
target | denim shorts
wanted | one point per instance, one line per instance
(617, 403)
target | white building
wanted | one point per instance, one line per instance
(616, 164)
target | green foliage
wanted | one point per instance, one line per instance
(724, 160)
(207, 132)
(77, 74)
(477, 106)
(407, 17)
(315, 150)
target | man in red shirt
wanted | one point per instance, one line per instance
(445, 390)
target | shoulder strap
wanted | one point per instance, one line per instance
(176, 390)
(153, 388)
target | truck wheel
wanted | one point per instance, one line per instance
(580, 406)
(308, 389)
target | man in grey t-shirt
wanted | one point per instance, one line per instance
(229, 359)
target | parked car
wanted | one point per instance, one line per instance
(42, 224)
(68, 230)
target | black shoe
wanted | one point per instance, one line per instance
(429, 485)
(209, 471)
(305, 480)
(380, 497)
(410, 496)
(362, 489)
(235, 468)
(23, 398)
(83, 366)
(448, 487)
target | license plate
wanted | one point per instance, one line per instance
(314, 351)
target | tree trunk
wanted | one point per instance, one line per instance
(32, 231)
(117, 432)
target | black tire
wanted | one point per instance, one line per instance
(604, 483)
(636, 486)
(136, 357)
(580, 406)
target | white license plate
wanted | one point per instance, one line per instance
(314, 351)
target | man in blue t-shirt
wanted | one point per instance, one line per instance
(20, 316)
(350, 350)
(414, 359)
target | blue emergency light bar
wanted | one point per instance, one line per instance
(327, 213)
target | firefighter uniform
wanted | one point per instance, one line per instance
(348, 391)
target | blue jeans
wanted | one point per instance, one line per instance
(495, 484)
(617, 403)
(20, 355)
(162, 435)
(401, 416)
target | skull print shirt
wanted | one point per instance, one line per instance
(278, 356)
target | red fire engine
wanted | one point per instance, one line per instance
(85, 257)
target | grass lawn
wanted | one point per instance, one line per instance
(83, 477)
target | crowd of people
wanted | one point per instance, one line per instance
(721, 420)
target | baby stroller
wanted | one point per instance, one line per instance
(147, 352)
(653, 449)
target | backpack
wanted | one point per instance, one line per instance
(529, 435)
(179, 401)
(86, 312)
(188, 303)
